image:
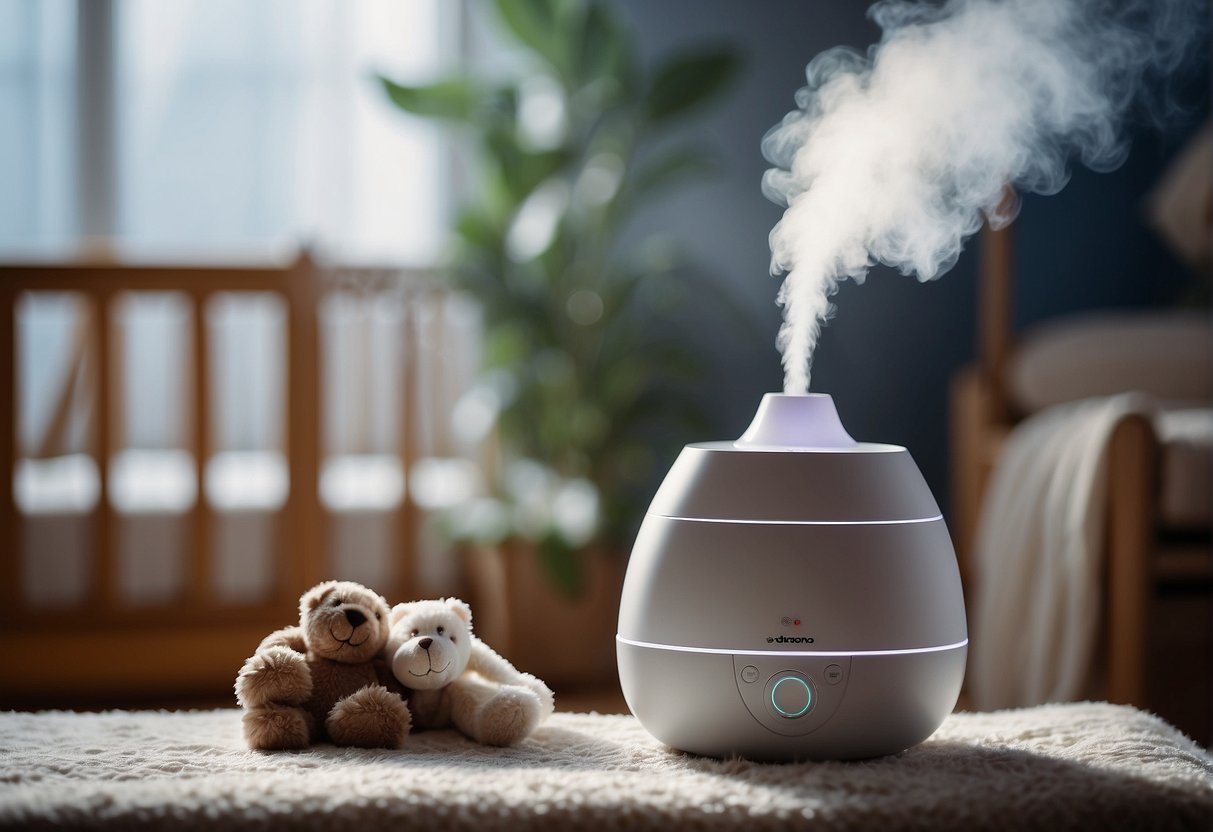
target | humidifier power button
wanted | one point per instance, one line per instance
(790, 695)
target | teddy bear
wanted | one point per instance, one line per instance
(325, 678)
(456, 679)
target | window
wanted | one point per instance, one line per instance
(37, 121)
(230, 124)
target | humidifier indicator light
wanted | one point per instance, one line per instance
(791, 695)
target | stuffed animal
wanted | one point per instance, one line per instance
(458, 679)
(326, 678)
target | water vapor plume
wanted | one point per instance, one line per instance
(898, 155)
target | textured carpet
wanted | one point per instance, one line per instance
(1085, 766)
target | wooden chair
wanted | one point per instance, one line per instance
(1139, 559)
(104, 649)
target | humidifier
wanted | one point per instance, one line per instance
(792, 595)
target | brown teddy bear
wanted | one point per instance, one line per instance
(326, 678)
(457, 679)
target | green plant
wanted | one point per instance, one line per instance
(585, 365)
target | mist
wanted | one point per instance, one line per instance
(897, 156)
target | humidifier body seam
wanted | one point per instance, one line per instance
(800, 522)
(730, 651)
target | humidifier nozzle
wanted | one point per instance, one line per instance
(786, 421)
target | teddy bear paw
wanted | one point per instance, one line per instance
(509, 717)
(277, 728)
(372, 717)
(276, 675)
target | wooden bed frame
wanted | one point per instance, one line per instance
(104, 651)
(1138, 560)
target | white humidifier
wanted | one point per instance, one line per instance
(792, 595)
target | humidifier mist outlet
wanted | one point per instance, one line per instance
(792, 595)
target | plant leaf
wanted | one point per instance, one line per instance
(599, 47)
(535, 23)
(455, 99)
(672, 166)
(688, 80)
(476, 227)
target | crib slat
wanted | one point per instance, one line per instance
(305, 538)
(10, 548)
(407, 521)
(104, 587)
(199, 590)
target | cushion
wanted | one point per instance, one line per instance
(1168, 355)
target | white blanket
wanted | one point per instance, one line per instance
(1061, 767)
(1038, 556)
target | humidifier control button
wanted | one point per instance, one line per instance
(833, 674)
(790, 695)
(749, 673)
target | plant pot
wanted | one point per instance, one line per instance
(566, 641)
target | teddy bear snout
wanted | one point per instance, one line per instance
(425, 643)
(355, 618)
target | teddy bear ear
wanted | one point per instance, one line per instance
(460, 609)
(398, 612)
(314, 596)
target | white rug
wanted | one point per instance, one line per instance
(1083, 766)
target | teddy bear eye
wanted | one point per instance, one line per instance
(441, 630)
(415, 633)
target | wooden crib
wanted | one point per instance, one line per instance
(102, 648)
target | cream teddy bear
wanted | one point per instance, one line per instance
(326, 678)
(458, 679)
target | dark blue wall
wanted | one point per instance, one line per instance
(893, 345)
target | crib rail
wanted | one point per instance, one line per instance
(105, 648)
